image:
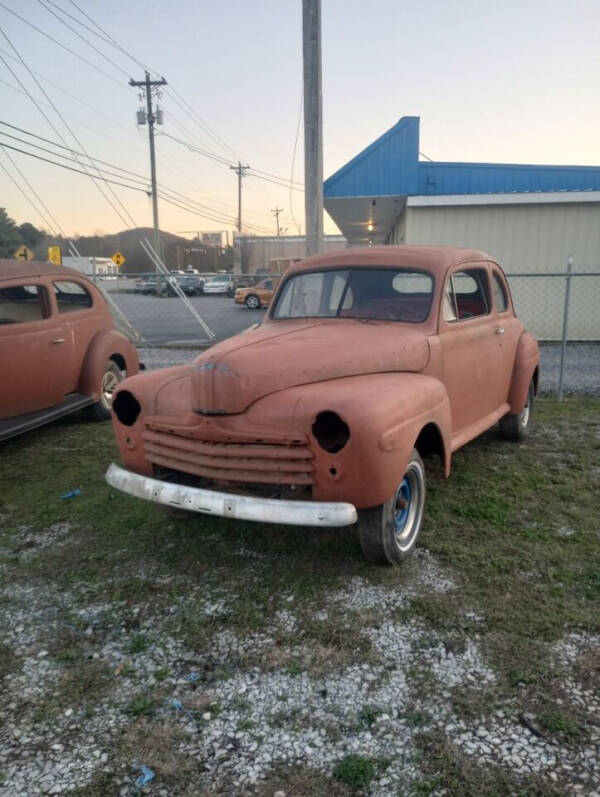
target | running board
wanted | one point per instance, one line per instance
(11, 427)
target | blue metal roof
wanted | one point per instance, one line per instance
(390, 166)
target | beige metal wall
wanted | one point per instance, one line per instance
(257, 252)
(527, 239)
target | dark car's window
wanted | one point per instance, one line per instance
(466, 295)
(389, 294)
(71, 296)
(21, 304)
(500, 299)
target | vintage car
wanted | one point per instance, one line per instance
(59, 351)
(367, 361)
(259, 295)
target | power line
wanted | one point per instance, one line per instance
(21, 189)
(61, 45)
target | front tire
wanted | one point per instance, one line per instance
(252, 302)
(516, 426)
(101, 410)
(388, 532)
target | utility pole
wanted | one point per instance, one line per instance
(313, 125)
(151, 118)
(240, 171)
(276, 211)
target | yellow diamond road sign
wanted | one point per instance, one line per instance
(23, 253)
(118, 259)
(55, 255)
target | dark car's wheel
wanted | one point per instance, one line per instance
(388, 532)
(516, 426)
(100, 411)
(252, 301)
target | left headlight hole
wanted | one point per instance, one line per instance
(330, 431)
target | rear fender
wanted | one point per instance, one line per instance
(106, 345)
(527, 361)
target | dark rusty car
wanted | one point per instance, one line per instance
(367, 361)
(59, 351)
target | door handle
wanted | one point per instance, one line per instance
(58, 340)
(499, 330)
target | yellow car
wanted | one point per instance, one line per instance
(258, 295)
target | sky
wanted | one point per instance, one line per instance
(510, 82)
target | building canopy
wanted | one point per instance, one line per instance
(366, 195)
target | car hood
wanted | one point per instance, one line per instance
(233, 374)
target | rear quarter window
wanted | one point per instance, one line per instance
(71, 296)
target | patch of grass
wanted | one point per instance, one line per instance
(142, 705)
(368, 714)
(355, 770)
(138, 644)
(560, 723)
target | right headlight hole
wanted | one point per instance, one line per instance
(330, 431)
(126, 407)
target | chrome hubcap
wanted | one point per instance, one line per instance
(107, 388)
(252, 302)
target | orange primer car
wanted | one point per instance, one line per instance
(259, 295)
(368, 361)
(59, 350)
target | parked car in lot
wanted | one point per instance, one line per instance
(221, 283)
(367, 361)
(191, 285)
(259, 295)
(58, 347)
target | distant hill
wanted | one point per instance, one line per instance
(176, 250)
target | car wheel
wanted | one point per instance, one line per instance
(252, 301)
(100, 411)
(388, 532)
(516, 426)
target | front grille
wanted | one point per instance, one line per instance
(231, 462)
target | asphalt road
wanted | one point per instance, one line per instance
(166, 320)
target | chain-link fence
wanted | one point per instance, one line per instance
(562, 309)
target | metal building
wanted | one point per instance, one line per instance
(531, 218)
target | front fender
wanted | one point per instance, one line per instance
(385, 414)
(106, 345)
(527, 359)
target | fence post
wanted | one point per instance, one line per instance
(563, 343)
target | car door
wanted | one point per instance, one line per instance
(82, 316)
(32, 339)
(469, 345)
(508, 329)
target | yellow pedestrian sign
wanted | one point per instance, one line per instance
(118, 259)
(23, 253)
(55, 255)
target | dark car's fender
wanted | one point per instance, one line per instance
(386, 414)
(526, 368)
(104, 346)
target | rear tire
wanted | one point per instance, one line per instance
(516, 427)
(388, 532)
(101, 410)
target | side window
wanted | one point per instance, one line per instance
(268, 285)
(21, 304)
(71, 296)
(466, 295)
(500, 298)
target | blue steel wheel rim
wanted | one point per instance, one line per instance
(408, 506)
(402, 507)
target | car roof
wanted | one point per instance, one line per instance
(15, 269)
(433, 258)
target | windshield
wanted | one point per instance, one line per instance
(389, 294)
(223, 278)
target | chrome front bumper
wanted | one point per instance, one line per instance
(241, 507)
